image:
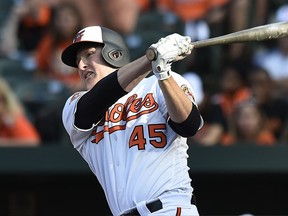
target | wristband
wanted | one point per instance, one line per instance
(163, 74)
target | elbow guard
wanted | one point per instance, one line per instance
(190, 126)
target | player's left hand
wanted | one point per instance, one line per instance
(161, 68)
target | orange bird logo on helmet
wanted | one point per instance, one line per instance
(78, 36)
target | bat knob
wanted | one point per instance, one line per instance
(151, 54)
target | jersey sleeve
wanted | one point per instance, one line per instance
(77, 136)
(185, 86)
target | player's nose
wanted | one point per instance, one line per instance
(82, 64)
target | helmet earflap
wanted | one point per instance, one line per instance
(115, 51)
(116, 57)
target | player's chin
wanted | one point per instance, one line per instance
(89, 83)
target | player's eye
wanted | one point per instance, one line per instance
(91, 52)
(85, 55)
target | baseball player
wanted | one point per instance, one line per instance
(129, 127)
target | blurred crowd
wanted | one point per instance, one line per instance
(240, 88)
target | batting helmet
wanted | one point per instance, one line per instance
(115, 51)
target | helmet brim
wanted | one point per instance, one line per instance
(69, 54)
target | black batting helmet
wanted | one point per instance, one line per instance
(115, 51)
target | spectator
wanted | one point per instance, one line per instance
(275, 108)
(120, 15)
(274, 55)
(24, 28)
(15, 127)
(236, 16)
(248, 126)
(242, 15)
(65, 23)
(193, 14)
(90, 10)
(275, 61)
(198, 17)
(217, 112)
(151, 25)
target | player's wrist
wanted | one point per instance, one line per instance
(163, 75)
(161, 69)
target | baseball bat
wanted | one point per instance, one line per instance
(259, 33)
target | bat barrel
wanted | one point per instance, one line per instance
(259, 33)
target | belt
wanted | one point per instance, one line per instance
(153, 207)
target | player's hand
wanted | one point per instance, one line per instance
(169, 49)
(173, 47)
(183, 43)
(161, 68)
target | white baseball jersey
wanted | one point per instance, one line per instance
(134, 153)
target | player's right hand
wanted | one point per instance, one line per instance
(172, 48)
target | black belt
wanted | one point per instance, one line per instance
(152, 206)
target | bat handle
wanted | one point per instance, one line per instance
(151, 54)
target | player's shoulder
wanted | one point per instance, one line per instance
(70, 104)
(75, 97)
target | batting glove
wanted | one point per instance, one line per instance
(169, 49)
(183, 43)
(161, 68)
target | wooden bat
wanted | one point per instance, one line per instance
(259, 33)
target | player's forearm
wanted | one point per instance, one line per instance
(185, 118)
(178, 104)
(130, 75)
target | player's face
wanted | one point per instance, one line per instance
(91, 65)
